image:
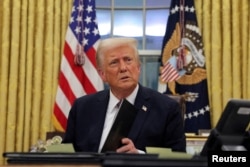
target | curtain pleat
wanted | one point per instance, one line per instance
(38, 63)
(245, 35)
(21, 77)
(205, 20)
(59, 31)
(216, 59)
(226, 54)
(32, 34)
(4, 81)
(247, 10)
(47, 67)
(30, 28)
(236, 49)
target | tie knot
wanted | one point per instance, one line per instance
(119, 104)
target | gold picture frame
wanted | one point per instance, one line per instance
(195, 143)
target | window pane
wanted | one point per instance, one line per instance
(128, 3)
(103, 3)
(149, 71)
(158, 3)
(129, 23)
(104, 22)
(156, 21)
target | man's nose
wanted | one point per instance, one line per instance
(123, 65)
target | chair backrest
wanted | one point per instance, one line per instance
(51, 134)
(181, 100)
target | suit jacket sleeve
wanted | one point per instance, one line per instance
(159, 122)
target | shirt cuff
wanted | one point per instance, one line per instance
(141, 152)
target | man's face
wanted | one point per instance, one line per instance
(120, 69)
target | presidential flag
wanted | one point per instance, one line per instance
(183, 64)
(78, 75)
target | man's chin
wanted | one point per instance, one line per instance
(127, 85)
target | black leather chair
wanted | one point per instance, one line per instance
(50, 135)
(181, 100)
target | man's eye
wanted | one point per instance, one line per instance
(113, 62)
(128, 59)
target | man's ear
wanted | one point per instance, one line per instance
(102, 74)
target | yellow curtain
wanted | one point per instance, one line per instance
(225, 27)
(31, 40)
(32, 37)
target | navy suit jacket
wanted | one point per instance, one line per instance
(158, 122)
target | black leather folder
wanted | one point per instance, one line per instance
(121, 127)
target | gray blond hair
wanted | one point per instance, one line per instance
(112, 43)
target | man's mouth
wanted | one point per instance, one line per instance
(125, 77)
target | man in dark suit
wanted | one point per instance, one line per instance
(158, 122)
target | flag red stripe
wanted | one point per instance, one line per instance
(169, 73)
(80, 74)
(60, 116)
(65, 87)
(170, 77)
(91, 55)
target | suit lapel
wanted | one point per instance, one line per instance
(100, 112)
(143, 106)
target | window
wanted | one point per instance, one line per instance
(144, 20)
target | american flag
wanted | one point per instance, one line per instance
(78, 75)
(170, 72)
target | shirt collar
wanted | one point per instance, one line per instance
(131, 98)
(112, 100)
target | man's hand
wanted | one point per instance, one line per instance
(128, 147)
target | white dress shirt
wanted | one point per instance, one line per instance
(111, 114)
